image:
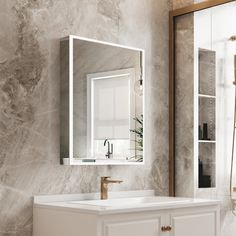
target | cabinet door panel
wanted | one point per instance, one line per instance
(147, 227)
(202, 224)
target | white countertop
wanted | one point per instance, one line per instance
(122, 202)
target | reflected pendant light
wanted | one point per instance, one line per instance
(138, 86)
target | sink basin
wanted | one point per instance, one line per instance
(122, 202)
(125, 202)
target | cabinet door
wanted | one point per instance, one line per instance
(141, 227)
(199, 224)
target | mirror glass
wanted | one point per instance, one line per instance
(102, 94)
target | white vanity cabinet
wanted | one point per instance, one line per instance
(164, 220)
(136, 224)
(181, 222)
(198, 222)
(150, 227)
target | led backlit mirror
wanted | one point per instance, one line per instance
(102, 97)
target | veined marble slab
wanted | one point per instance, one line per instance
(29, 120)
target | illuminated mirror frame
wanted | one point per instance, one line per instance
(71, 38)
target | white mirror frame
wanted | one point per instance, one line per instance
(71, 160)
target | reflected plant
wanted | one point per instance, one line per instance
(138, 131)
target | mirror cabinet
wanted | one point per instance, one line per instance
(102, 103)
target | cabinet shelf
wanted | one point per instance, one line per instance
(206, 141)
(206, 96)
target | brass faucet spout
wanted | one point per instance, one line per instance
(113, 181)
(104, 186)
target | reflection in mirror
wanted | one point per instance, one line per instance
(101, 102)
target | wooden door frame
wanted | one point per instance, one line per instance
(172, 16)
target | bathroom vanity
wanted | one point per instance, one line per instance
(136, 213)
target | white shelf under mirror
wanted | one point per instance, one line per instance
(206, 141)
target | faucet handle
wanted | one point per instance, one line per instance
(105, 177)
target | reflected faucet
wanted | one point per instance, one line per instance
(109, 148)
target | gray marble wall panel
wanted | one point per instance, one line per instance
(29, 99)
(181, 3)
(184, 107)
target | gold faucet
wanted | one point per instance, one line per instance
(104, 186)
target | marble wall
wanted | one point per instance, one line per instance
(184, 107)
(30, 31)
(181, 3)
